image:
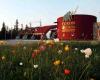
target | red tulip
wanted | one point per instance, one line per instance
(42, 47)
(33, 55)
(36, 51)
(67, 71)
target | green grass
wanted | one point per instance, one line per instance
(81, 68)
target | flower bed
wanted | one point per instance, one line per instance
(50, 60)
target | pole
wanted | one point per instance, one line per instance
(5, 32)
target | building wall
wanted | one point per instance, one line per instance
(98, 31)
(80, 27)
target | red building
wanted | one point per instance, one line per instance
(36, 32)
(69, 27)
(77, 27)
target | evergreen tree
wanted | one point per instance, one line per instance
(16, 25)
(3, 31)
(15, 30)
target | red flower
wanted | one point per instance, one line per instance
(33, 55)
(67, 71)
(42, 47)
(35, 52)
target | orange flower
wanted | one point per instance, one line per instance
(57, 62)
(36, 51)
(67, 71)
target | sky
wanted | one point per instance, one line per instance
(46, 11)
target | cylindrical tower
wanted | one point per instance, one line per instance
(78, 27)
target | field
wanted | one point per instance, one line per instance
(50, 60)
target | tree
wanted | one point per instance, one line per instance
(3, 31)
(16, 25)
(15, 31)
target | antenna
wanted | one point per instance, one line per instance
(40, 23)
(75, 10)
(30, 24)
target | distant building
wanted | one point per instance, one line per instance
(69, 27)
(76, 27)
(98, 31)
(36, 32)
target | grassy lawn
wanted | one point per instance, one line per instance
(49, 60)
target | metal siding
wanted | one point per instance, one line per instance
(83, 24)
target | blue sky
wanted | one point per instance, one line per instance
(47, 11)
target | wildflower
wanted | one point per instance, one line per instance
(76, 49)
(86, 56)
(59, 51)
(67, 71)
(51, 42)
(20, 63)
(33, 55)
(2, 42)
(42, 47)
(62, 62)
(61, 44)
(35, 66)
(92, 79)
(24, 48)
(66, 48)
(36, 51)
(57, 62)
(3, 57)
(87, 52)
(56, 40)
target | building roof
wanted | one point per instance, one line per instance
(38, 30)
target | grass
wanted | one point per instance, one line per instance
(38, 61)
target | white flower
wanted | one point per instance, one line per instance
(20, 63)
(76, 49)
(3, 57)
(87, 52)
(56, 40)
(35, 66)
(59, 51)
(92, 79)
(86, 56)
(82, 51)
(24, 48)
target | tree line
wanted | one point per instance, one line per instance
(11, 33)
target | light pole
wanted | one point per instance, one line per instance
(5, 32)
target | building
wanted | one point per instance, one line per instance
(76, 27)
(69, 27)
(36, 32)
(98, 31)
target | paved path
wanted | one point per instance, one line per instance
(13, 42)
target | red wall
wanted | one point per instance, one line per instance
(80, 27)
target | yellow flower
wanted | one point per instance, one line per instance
(66, 48)
(50, 42)
(3, 42)
(57, 62)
